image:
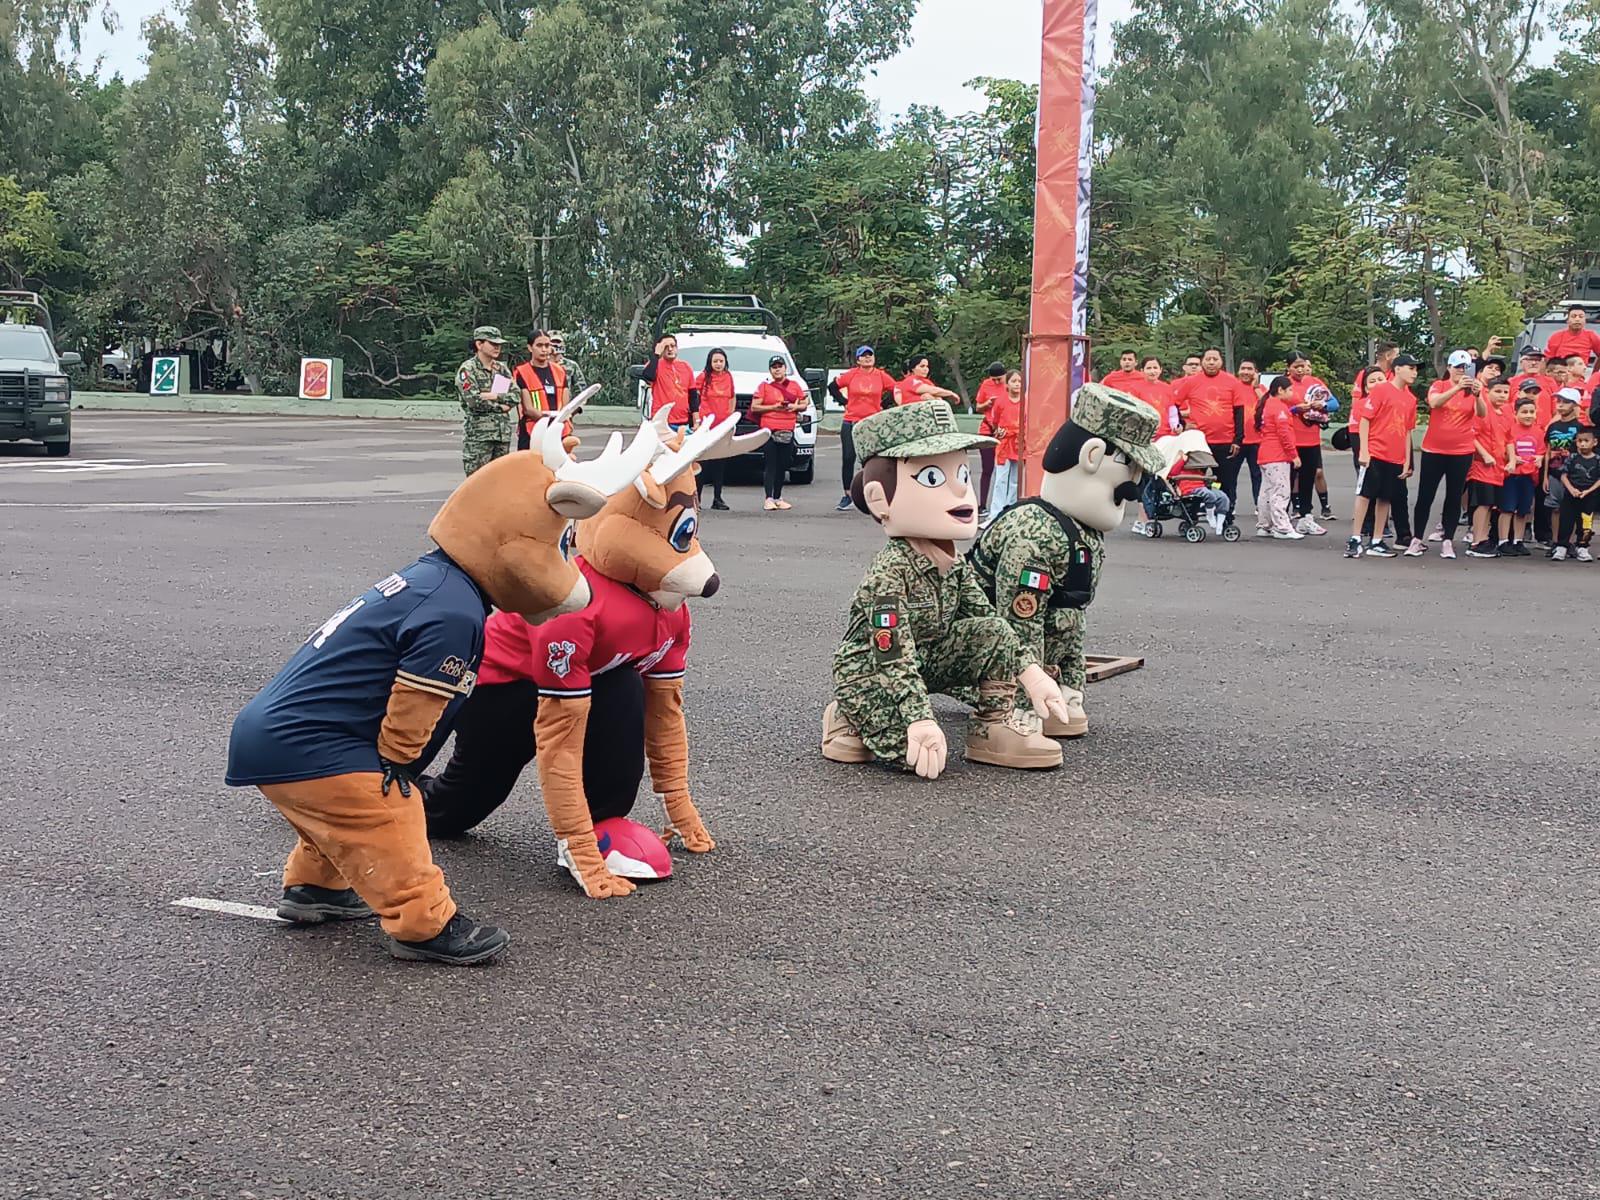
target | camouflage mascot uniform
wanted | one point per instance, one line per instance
(919, 622)
(1040, 564)
(486, 428)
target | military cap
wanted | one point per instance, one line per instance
(914, 430)
(488, 333)
(1125, 423)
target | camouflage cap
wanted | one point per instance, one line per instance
(1126, 423)
(488, 333)
(913, 430)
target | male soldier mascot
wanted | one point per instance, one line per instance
(1040, 561)
(920, 623)
(336, 738)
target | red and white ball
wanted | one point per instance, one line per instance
(632, 850)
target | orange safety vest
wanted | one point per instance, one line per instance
(536, 390)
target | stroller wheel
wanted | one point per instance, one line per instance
(1230, 533)
(1153, 529)
(1193, 533)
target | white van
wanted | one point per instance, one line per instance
(750, 335)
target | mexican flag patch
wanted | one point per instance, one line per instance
(885, 619)
(1033, 580)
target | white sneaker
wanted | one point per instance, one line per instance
(1138, 529)
(1263, 531)
(1309, 527)
(1437, 535)
(1560, 555)
(1447, 549)
(1416, 548)
(1584, 555)
(1216, 523)
(1294, 535)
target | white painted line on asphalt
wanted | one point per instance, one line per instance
(229, 907)
(88, 468)
(35, 464)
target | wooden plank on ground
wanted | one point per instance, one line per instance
(1104, 666)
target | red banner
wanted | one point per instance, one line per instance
(1057, 349)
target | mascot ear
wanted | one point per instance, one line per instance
(654, 494)
(1093, 455)
(574, 500)
(877, 500)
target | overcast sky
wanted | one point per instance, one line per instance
(952, 41)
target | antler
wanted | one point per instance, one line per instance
(614, 470)
(696, 445)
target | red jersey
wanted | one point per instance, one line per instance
(670, 389)
(1391, 414)
(1003, 421)
(1276, 435)
(716, 394)
(1158, 395)
(1450, 425)
(906, 390)
(1304, 435)
(1123, 381)
(1564, 343)
(1212, 402)
(618, 628)
(1527, 442)
(990, 390)
(863, 389)
(1489, 432)
(1252, 435)
(776, 393)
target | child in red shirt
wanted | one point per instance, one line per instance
(1523, 462)
(1487, 474)
(1003, 422)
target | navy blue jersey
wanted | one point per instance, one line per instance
(321, 715)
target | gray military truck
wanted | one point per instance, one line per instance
(35, 393)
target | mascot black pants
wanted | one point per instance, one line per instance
(494, 742)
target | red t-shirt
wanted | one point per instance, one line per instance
(863, 389)
(1277, 432)
(1545, 405)
(1564, 343)
(1358, 393)
(618, 628)
(1450, 425)
(775, 393)
(906, 390)
(1391, 414)
(716, 394)
(670, 389)
(1305, 435)
(1157, 393)
(1122, 380)
(1003, 421)
(1490, 432)
(1528, 443)
(1252, 437)
(990, 390)
(1212, 401)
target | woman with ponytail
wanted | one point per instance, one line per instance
(1271, 421)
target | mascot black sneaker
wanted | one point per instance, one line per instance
(461, 943)
(307, 904)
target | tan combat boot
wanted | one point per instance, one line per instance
(1077, 722)
(1015, 740)
(840, 742)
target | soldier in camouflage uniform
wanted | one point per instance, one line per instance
(486, 428)
(1040, 562)
(920, 623)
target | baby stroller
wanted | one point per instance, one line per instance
(1188, 511)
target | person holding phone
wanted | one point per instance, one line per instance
(670, 379)
(777, 406)
(1454, 404)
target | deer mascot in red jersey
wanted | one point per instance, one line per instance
(616, 668)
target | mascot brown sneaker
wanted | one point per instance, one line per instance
(1015, 741)
(840, 742)
(1077, 722)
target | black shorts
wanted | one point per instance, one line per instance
(1380, 479)
(1482, 495)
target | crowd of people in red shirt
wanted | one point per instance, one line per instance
(1512, 456)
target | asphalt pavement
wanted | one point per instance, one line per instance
(1310, 913)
